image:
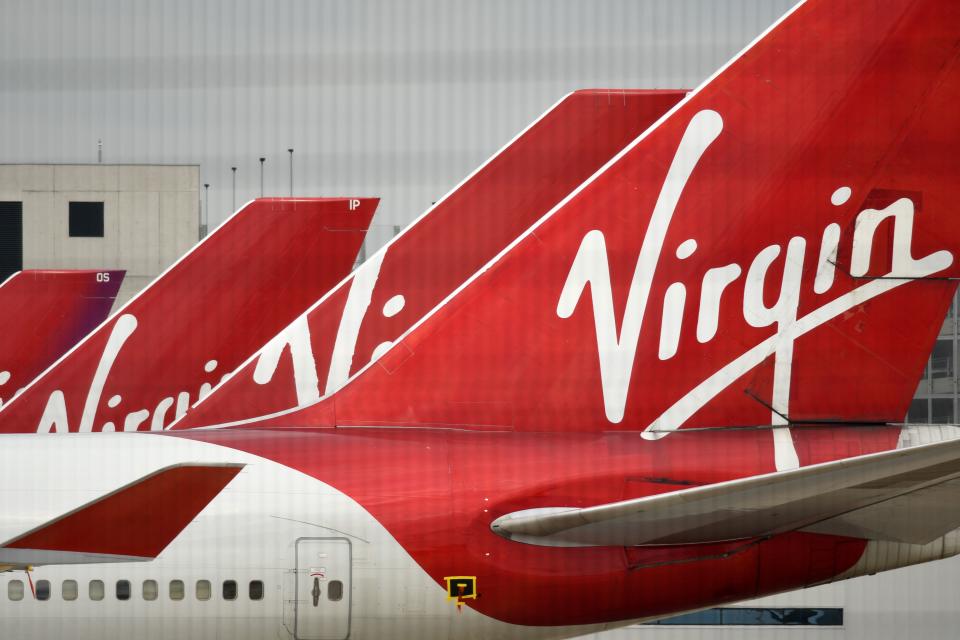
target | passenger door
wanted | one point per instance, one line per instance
(323, 589)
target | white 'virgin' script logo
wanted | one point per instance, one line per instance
(617, 352)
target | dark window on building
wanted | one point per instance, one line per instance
(949, 321)
(229, 589)
(749, 616)
(256, 590)
(123, 589)
(86, 219)
(917, 414)
(706, 617)
(941, 360)
(941, 410)
(43, 589)
(11, 238)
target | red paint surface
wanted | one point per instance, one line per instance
(437, 491)
(837, 95)
(840, 94)
(139, 520)
(458, 236)
(245, 282)
(45, 312)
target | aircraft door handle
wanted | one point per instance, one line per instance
(316, 591)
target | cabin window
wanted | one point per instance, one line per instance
(69, 590)
(123, 589)
(335, 591)
(176, 590)
(150, 590)
(203, 590)
(43, 589)
(95, 589)
(15, 590)
(229, 589)
(256, 590)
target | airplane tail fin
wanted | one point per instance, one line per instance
(352, 324)
(779, 248)
(198, 320)
(47, 312)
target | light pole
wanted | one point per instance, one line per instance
(290, 151)
(206, 210)
(262, 160)
(234, 170)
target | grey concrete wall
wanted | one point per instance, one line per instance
(150, 216)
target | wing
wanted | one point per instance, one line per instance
(906, 495)
(133, 523)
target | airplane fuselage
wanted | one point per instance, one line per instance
(330, 533)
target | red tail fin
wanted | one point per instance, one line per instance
(775, 248)
(352, 324)
(197, 321)
(46, 313)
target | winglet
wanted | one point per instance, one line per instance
(133, 523)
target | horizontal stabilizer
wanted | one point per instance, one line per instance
(916, 518)
(133, 523)
(886, 495)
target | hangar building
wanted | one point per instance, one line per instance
(98, 216)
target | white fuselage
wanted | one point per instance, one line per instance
(271, 525)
